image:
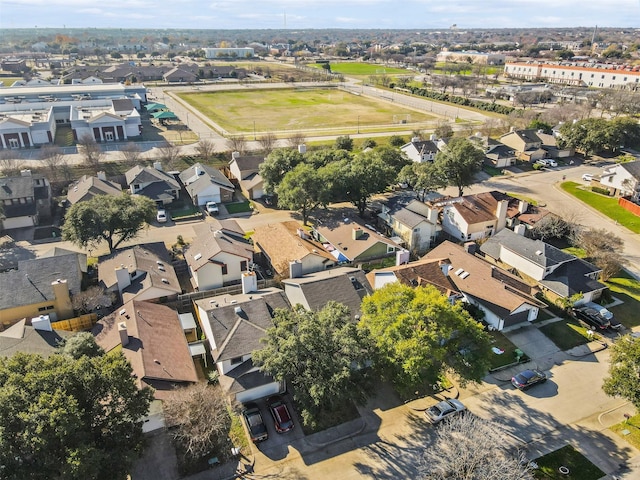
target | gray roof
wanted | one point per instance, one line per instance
(31, 283)
(207, 175)
(139, 174)
(535, 251)
(16, 187)
(26, 339)
(408, 218)
(248, 163)
(88, 187)
(211, 240)
(633, 168)
(571, 278)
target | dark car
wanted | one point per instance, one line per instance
(255, 424)
(280, 414)
(528, 378)
(591, 317)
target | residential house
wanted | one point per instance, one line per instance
(88, 187)
(40, 338)
(234, 326)
(346, 285)
(350, 241)
(151, 338)
(141, 272)
(159, 186)
(280, 244)
(421, 150)
(218, 254)
(59, 252)
(414, 222)
(496, 154)
(42, 286)
(504, 298)
(558, 274)
(550, 145)
(526, 143)
(179, 75)
(622, 179)
(245, 170)
(206, 184)
(26, 199)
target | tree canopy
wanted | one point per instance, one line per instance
(321, 354)
(420, 336)
(365, 175)
(113, 219)
(459, 162)
(276, 166)
(304, 188)
(623, 370)
(594, 135)
(69, 418)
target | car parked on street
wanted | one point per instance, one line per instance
(280, 413)
(161, 216)
(587, 177)
(443, 410)
(591, 317)
(212, 208)
(255, 424)
(528, 378)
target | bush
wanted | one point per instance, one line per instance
(396, 141)
(601, 191)
(537, 166)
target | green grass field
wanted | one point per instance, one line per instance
(579, 467)
(358, 68)
(280, 110)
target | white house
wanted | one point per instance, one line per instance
(245, 169)
(622, 179)
(474, 217)
(206, 184)
(420, 150)
(159, 186)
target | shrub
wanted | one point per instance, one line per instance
(602, 191)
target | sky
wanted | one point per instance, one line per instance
(316, 14)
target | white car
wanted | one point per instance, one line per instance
(547, 162)
(161, 216)
(587, 177)
(212, 208)
(444, 410)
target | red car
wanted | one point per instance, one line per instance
(280, 414)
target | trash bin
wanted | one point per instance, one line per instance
(519, 354)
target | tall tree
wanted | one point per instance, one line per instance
(205, 149)
(53, 159)
(420, 336)
(169, 154)
(91, 151)
(392, 157)
(304, 188)
(321, 354)
(131, 153)
(277, 164)
(364, 176)
(237, 143)
(424, 177)
(114, 219)
(69, 418)
(623, 370)
(267, 142)
(459, 162)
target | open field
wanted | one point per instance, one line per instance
(8, 81)
(280, 110)
(358, 68)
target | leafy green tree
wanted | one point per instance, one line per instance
(66, 418)
(369, 143)
(82, 344)
(276, 166)
(623, 370)
(392, 157)
(344, 143)
(420, 336)
(326, 156)
(321, 354)
(304, 188)
(459, 162)
(114, 219)
(423, 177)
(364, 176)
(396, 141)
(584, 135)
(540, 125)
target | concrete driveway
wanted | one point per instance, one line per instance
(535, 344)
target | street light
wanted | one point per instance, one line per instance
(358, 123)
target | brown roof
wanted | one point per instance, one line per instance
(425, 271)
(213, 238)
(157, 348)
(480, 207)
(282, 244)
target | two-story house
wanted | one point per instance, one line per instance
(152, 182)
(420, 150)
(245, 170)
(206, 184)
(26, 199)
(526, 143)
(88, 187)
(416, 223)
(622, 179)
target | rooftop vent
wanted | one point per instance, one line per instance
(164, 280)
(123, 311)
(197, 256)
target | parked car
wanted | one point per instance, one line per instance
(443, 410)
(212, 208)
(280, 413)
(547, 162)
(528, 378)
(591, 317)
(161, 216)
(268, 199)
(255, 424)
(587, 177)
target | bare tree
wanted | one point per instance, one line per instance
(131, 154)
(169, 155)
(52, 158)
(598, 241)
(476, 449)
(267, 142)
(90, 299)
(295, 139)
(237, 143)
(198, 418)
(9, 164)
(92, 152)
(205, 149)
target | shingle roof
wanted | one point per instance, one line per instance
(248, 163)
(139, 174)
(535, 251)
(480, 207)
(210, 240)
(571, 278)
(424, 271)
(88, 187)
(633, 168)
(24, 338)
(16, 187)
(199, 177)
(157, 348)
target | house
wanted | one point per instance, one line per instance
(350, 241)
(179, 75)
(89, 186)
(159, 186)
(622, 179)
(558, 274)
(206, 184)
(42, 286)
(151, 338)
(40, 339)
(415, 223)
(346, 285)
(245, 170)
(234, 326)
(504, 298)
(59, 252)
(526, 143)
(550, 145)
(496, 154)
(218, 254)
(26, 199)
(141, 272)
(420, 150)
(280, 244)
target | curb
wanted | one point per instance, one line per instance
(591, 348)
(452, 392)
(339, 439)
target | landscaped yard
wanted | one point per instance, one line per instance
(238, 207)
(291, 110)
(631, 428)
(577, 464)
(606, 205)
(626, 288)
(566, 334)
(508, 356)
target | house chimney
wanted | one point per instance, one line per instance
(432, 215)
(102, 176)
(123, 278)
(501, 214)
(249, 282)
(445, 266)
(158, 166)
(522, 206)
(402, 257)
(64, 308)
(356, 233)
(415, 139)
(520, 229)
(124, 334)
(235, 155)
(302, 233)
(295, 269)
(42, 323)
(512, 129)
(470, 247)
(433, 137)
(302, 148)
(25, 173)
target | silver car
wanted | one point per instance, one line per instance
(443, 410)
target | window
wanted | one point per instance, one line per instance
(23, 200)
(391, 248)
(44, 309)
(243, 265)
(224, 269)
(136, 186)
(7, 202)
(236, 360)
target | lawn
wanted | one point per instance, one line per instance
(275, 110)
(580, 468)
(503, 343)
(626, 288)
(238, 207)
(358, 68)
(605, 205)
(632, 425)
(566, 334)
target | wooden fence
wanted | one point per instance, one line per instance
(77, 324)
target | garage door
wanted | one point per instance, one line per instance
(17, 222)
(258, 392)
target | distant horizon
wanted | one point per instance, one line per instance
(315, 15)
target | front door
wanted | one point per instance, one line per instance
(108, 136)
(13, 143)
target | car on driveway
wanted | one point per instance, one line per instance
(255, 424)
(161, 216)
(591, 317)
(547, 162)
(528, 378)
(443, 410)
(280, 413)
(212, 208)
(587, 177)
